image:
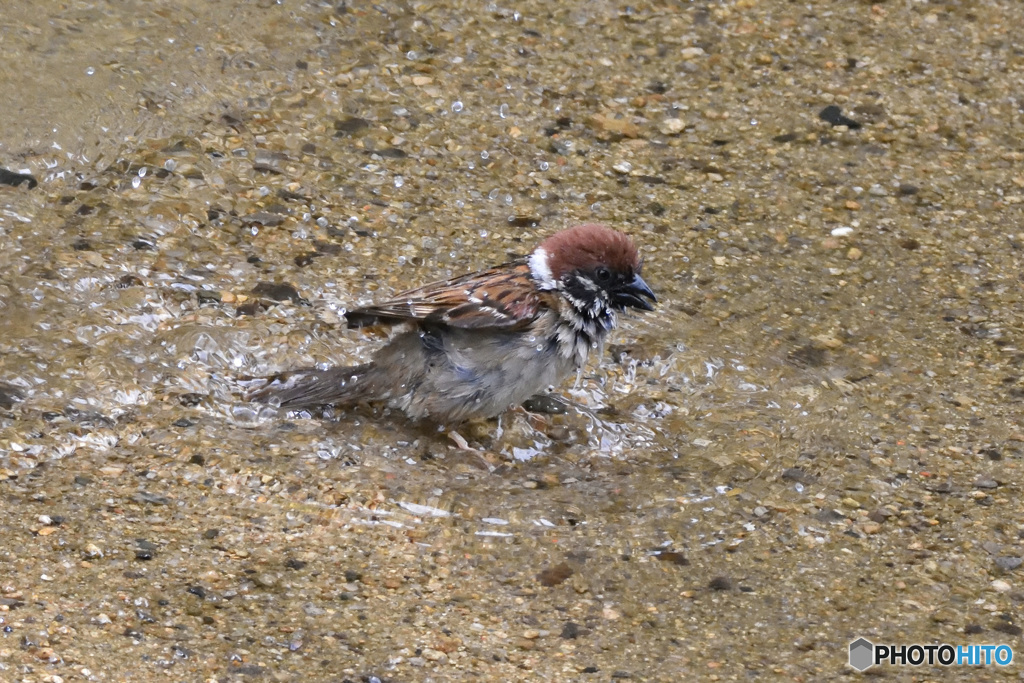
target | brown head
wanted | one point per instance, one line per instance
(592, 263)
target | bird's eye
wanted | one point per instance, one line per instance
(603, 274)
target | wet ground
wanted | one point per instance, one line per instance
(817, 437)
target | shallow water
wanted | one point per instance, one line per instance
(816, 437)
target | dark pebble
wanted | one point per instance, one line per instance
(524, 221)
(81, 245)
(197, 591)
(197, 460)
(211, 534)
(828, 515)
(621, 675)
(808, 356)
(389, 153)
(151, 498)
(590, 669)
(545, 404)
(249, 308)
(570, 631)
(552, 576)
(303, 260)
(350, 126)
(798, 474)
(721, 583)
(292, 563)
(906, 189)
(183, 422)
(351, 576)
(974, 629)
(15, 179)
(1007, 628)
(674, 558)
(191, 399)
(984, 482)
(327, 248)
(126, 281)
(834, 116)
(144, 555)
(208, 296)
(785, 137)
(277, 292)
(8, 396)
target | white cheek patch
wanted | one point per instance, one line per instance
(540, 270)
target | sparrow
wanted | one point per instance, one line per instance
(478, 344)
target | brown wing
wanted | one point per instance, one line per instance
(505, 297)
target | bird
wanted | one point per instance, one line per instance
(476, 345)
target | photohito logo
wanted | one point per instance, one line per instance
(865, 654)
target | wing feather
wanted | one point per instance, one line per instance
(501, 297)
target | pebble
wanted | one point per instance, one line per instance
(1000, 586)
(672, 126)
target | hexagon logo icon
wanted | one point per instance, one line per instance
(862, 654)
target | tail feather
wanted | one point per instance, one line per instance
(315, 387)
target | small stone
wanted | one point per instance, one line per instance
(531, 634)
(432, 655)
(1000, 586)
(871, 528)
(852, 205)
(854, 254)
(611, 614)
(1008, 563)
(672, 126)
(622, 167)
(985, 482)
(692, 52)
(422, 80)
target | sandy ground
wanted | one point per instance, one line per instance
(817, 437)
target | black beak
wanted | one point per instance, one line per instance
(630, 293)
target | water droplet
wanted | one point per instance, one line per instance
(170, 165)
(503, 111)
(485, 154)
(544, 165)
(457, 106)
(471, 165)
(322, 222)
(136, 181)
(508, 200)
(399, 181)
(412, 55)
(483, 233)
(459, 204)
(90, 71)
(142, 172)
(493, 194)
